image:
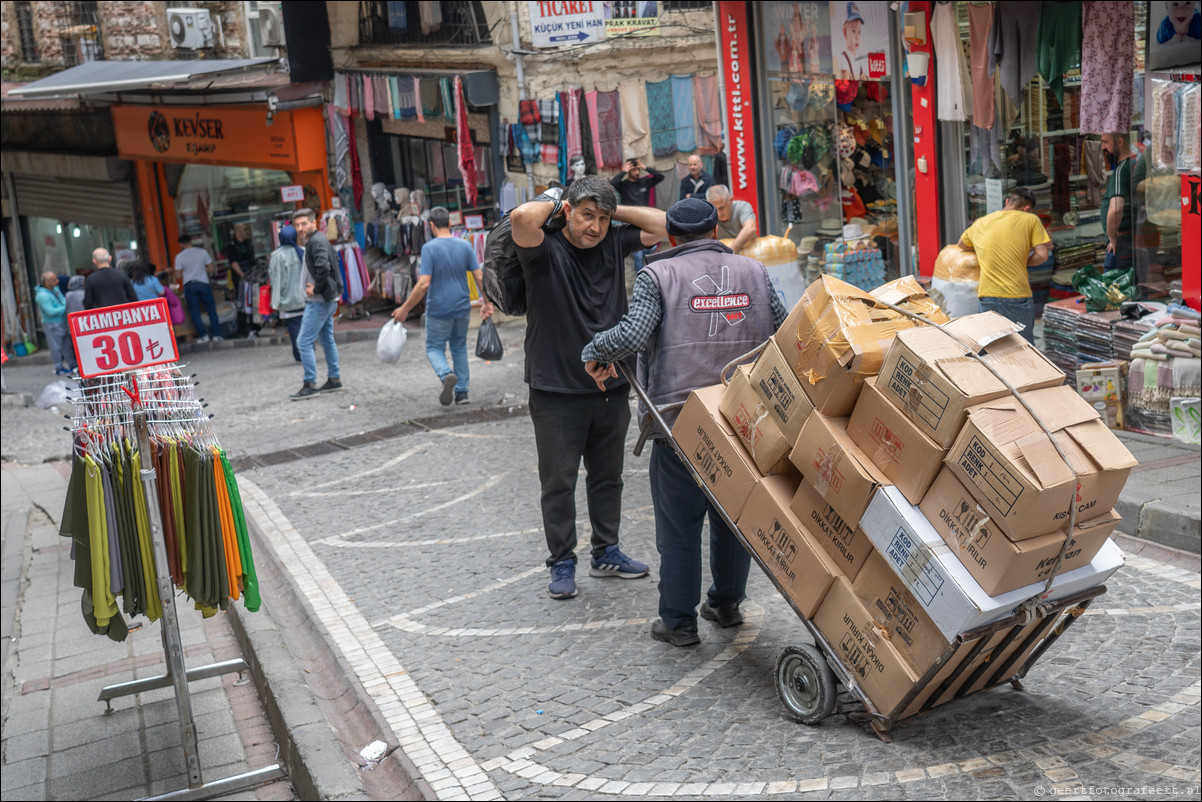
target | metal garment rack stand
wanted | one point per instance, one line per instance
(177, 676)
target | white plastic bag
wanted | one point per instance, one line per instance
(391, 342)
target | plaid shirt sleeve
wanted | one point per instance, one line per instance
(635, 328)
(779, 313)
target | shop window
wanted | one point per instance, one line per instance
(65, 247)
(450, 23)
(210, 201)
(432, 166)
(830, 138)
(30, 53)
(1038, 145)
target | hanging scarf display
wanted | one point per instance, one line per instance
(684, 113)
(661, 116)
(636, 129)
(605, 121)
(709, 113)
(466, 151)
(570, 100)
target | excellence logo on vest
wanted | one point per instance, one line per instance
(729, 306)
(720, 303)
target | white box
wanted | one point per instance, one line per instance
(943, 586)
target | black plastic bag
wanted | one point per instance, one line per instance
(488, 342)
(504, 283)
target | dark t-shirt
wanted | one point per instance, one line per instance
(572, 294)
(108, 287)
(636, 193)
(1119, 185)
(241, 252)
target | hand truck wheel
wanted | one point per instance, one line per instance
(805, 683)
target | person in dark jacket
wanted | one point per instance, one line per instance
(106, 286)
(322, 291)
(680, 350)
(634, 189)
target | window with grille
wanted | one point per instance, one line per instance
(30, 53)
(450, 23)
(79, 32)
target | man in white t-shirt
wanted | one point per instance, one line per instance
(193, 265)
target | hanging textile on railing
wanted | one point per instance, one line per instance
(107, 516)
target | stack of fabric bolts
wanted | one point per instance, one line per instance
(1165, 368)
(858, 262)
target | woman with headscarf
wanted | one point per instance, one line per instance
(287, 269)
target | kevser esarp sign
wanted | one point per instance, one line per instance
(207, 135)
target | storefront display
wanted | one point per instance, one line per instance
(826, 78)
(209, 171)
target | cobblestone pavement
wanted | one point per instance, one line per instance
(423, 559)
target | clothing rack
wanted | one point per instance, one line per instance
(162, 400)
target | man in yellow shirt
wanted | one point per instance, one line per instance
(1005, 243)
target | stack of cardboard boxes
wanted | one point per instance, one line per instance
(896, 490)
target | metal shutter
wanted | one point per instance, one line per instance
(75, 200)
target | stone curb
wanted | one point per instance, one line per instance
(42, 355)
(309, 750)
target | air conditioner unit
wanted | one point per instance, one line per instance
(271, 25)
(190, 28)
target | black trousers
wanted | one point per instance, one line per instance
(569, 429)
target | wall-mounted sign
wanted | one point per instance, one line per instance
(638, 18)
(292, 194)
(554, 23)
(734, 53)
(221, 135)
(473, 221)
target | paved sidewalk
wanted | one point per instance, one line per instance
(1161, 500)
(58, 742)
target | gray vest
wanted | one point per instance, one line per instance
(715, 307)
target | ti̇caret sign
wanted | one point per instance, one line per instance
(554, 23)
(220, 135)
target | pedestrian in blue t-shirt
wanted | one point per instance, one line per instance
(446, 261)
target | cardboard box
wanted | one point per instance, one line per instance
(898, 614)
(835, 337)
(908, 294)
(928, 375)
(894, 443)
(844, 542)
(881, 672)
(777, 385)
(944, 588)
(789, 554)
(998, 563)
(835, 466)
(712, 447)
(1004, 458)
(750, 420)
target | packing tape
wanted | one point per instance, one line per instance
(831, 326)
(888, 448)
(824, 468)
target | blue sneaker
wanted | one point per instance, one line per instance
(563, 580)
(613, 562)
